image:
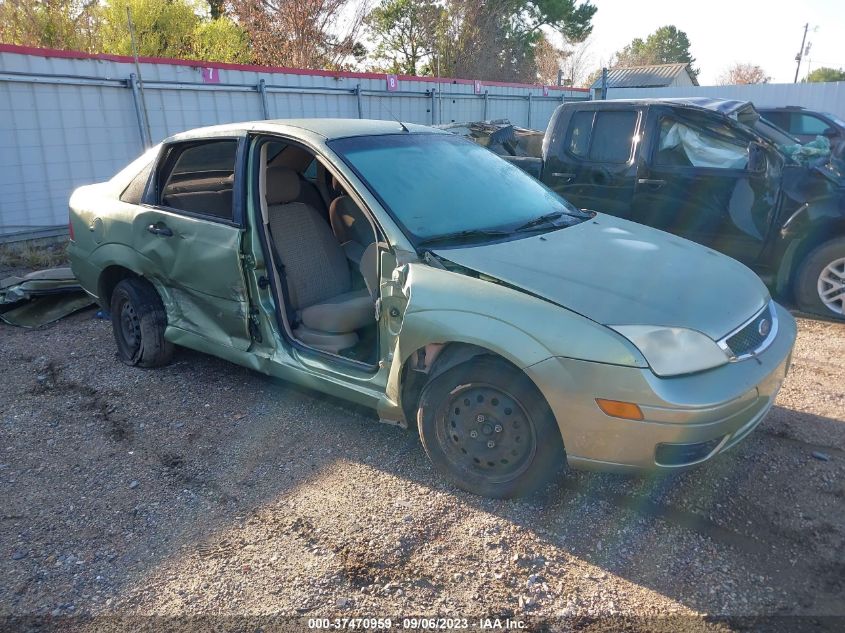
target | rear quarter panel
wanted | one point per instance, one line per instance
(89, 212)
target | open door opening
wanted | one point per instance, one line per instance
(325, 251)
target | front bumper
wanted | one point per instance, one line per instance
(687, 419)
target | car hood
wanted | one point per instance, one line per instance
(617, 272)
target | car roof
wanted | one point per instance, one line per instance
(771, 108)
(326, 128)
(725, 106)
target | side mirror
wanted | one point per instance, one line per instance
(756, 157)
(830, 132)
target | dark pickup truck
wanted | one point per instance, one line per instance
(691, 168)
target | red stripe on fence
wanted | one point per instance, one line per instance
(194, 63)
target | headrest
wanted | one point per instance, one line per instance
(282, 185)
(346, 211)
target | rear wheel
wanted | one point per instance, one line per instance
(486, 426)
(820, 284)
(139, 320)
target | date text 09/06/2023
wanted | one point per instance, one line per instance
(416, 623)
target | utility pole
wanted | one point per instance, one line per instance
(800, 52)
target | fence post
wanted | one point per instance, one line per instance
(433, 90)
(262, 92)
(529, 111)
(132, 83)
(358, 98)
(486, 99)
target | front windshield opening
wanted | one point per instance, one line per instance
(437, 185)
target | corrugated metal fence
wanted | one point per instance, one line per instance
(825, 97)
(68, 119)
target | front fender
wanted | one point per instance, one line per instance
(449, 307)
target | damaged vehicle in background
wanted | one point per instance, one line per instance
(713, 172)
(415, 272)
(806, 124)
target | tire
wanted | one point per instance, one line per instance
(816, 281)
(138, 321)
(486, 427)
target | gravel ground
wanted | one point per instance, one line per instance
(204, 489)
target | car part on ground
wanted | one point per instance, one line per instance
(41, 297)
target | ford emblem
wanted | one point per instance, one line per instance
(764, 327)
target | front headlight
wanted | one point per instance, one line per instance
(671, 351)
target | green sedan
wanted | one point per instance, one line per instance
(419, 274)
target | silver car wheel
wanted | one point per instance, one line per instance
(831, 285)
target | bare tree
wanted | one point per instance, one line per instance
(496, 39)
(744, 73)
(577, 64)
(302, 33)
(549, 59)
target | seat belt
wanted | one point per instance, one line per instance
(283, 281)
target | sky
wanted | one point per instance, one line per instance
(722, 32)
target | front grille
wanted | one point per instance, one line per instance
(753, 335)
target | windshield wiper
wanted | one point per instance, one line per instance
(461, 235)
(543, 219)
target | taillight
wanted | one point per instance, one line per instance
(70, 229)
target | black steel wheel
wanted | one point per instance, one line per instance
(139, 320)
(487, 427)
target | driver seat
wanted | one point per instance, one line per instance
(328, 311)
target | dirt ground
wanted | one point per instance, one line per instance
(204, 489)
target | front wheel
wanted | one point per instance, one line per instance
(820, 284)
(486, 426)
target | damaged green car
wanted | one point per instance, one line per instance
(417, 273)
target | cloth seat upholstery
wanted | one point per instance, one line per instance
(350, 227)
(319, 282)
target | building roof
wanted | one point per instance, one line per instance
(645, 76)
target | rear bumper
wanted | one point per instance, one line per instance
(688, 419)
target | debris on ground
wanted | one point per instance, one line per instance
(41, 297)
